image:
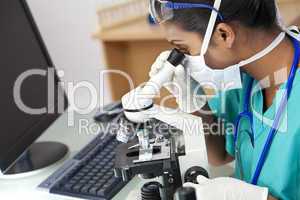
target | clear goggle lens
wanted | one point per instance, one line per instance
(160, 11)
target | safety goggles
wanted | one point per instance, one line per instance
(162, 10)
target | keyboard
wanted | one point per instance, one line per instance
(89, 175)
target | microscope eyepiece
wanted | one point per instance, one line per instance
(176, 57)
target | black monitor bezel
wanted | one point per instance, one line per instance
(33, 133)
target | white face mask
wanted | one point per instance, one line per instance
(230, 77)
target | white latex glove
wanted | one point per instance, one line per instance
(227, 189)
(183, 87)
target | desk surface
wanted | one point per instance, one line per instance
(75, 137)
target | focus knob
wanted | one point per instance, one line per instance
(192, 174)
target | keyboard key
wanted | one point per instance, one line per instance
(101, 192)
(73, 181)
(85, 189)
(77, 187)
(99, 174)
(106, 177)
(92, 182)
(94, 190)
(68, 186)
(80, 174)
(82, 181)
(111, 173)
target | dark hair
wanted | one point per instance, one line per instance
(257, 14)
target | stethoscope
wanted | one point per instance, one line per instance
(247, 114)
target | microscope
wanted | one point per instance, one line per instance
(157, 141)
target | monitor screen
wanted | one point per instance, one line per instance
(31, 96)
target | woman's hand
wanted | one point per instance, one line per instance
(227, 189)
(182, 86)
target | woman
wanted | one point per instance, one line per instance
(263, 86)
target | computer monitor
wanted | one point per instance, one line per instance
(31, 98)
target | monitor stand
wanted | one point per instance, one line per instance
(38, 156)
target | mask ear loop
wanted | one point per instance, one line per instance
(264, 52)
(210, 27)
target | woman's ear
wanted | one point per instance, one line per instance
(224, 35)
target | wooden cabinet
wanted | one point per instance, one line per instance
(290, 10)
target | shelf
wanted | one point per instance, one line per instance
(138, 30)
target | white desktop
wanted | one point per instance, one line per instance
(75, 137)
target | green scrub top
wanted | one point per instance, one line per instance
(281, 171)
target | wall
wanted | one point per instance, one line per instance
(67, 27)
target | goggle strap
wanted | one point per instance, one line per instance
(180, 6)
(210, 27)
